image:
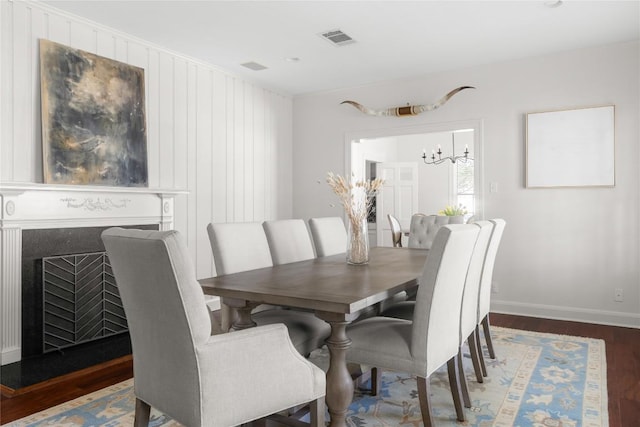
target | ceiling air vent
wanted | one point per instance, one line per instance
(254, 66)
(337, 37)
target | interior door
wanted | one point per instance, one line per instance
(398, 197)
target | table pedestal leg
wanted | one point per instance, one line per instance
(244, 320)
(243, 317)
(226, 317)
(339, 382)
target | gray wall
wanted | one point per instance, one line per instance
(564, 250)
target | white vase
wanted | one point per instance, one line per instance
(358, 242)
(456, 219)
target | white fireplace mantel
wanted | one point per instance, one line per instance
(42, 206)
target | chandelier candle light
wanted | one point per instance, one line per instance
(463, 158)
(356, 197)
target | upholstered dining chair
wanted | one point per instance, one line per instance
(484, 299)
(396, 231)
(423, 228)
(329, 235)
(179, 368)
(431, 338)
(289, 240)
(243, 246)
(468, 310)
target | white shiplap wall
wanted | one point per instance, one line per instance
(225, 140)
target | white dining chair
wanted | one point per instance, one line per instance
(179, 368)
(468, 309)
(484, 299)
(431, 338)
(289, 240)
(396, 231)
(329, 235)
(243, 246)
(423, 228)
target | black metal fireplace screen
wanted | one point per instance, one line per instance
(81, 302)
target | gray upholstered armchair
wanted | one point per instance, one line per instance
(181, 369)
(423, 228)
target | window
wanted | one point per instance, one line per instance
(463, 173)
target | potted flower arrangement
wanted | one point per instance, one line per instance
(454, 211)
(356, 197)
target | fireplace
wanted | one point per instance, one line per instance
(69, 295)
(39, 221)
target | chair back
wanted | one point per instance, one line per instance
(469, 312)
(289, 241)
(436, 317)
(166, 313)
(396, 231)
(329, 235)
(484, 302)
(423, 228)
(239, 246)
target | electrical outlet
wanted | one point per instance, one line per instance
(494, 288)
(618, 295)
(493, 187)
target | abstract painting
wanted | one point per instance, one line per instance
(93, 119)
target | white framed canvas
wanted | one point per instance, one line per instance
(571, 148)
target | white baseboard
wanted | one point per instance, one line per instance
(602, 317)
(11, 356)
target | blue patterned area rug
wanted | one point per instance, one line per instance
(538, 380)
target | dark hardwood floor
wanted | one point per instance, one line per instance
(59, 390)
(622, 352)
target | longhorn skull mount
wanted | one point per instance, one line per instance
(408, 110)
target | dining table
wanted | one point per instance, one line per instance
(337, 292)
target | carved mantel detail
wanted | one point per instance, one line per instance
(91, 205)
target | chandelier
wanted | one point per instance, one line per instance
(436, 156)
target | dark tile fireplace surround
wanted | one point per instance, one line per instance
(36, 365)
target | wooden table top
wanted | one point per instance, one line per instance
(325, 284)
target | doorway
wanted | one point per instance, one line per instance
(439, 185)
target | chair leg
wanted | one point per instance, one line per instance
(462, 381)
(487, 336)
(425, 402)
(483, 367)
(141, 417)
(475, 357)
(316, 412)
(455, 389)
(376, 381)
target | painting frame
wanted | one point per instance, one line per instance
(571, 148)
(93, 114)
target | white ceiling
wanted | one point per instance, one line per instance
(395, 39)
